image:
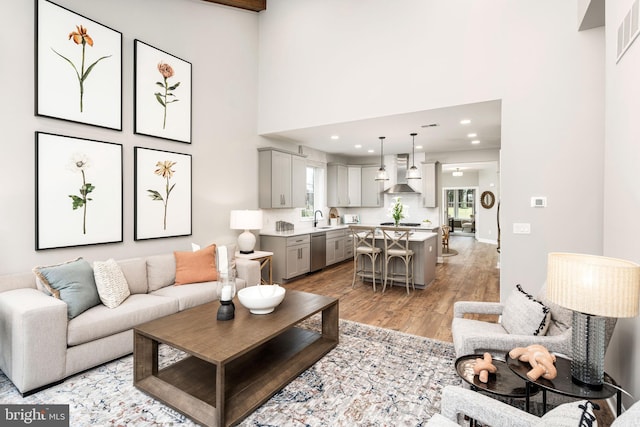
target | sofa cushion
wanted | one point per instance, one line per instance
(135, 271)
(72, 282)
(190, 295)
(571, 414)
(161, 271)
(100, 321)
(524, 315)
(196, 267)
(110, 281)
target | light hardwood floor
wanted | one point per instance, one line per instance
(470, 275)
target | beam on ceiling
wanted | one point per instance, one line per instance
(254, 5)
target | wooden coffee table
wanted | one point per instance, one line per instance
(233, 366)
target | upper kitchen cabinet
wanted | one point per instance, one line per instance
(282, 177)
(429, 185)
(371, 190)
(354, 182)
(337, 185)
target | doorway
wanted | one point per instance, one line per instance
(460, 210)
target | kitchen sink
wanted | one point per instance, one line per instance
(324, 227)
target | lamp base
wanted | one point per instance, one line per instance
(246, 242)
(226, 311)
(587, 363)
(247, 252)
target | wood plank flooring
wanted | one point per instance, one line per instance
(470, 275)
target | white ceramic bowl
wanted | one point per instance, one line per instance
(261, 299)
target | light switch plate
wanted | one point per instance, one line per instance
(521, 228)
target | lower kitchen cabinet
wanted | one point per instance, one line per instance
(291, 255)
(335, 246)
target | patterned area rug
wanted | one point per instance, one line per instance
(374, 377)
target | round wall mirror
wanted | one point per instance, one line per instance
(487, 199)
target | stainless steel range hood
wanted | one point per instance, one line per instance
(401, 186)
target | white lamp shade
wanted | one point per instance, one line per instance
(595, 285)
(381, 175)
(245, 220)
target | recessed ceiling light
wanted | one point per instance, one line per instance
(475, 141)
(465, 121)
(358, 146)
(472, 135)
(335, 137)
(370, 151)
(419, 147)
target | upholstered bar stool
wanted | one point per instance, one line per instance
(396, 245)
(364, 249)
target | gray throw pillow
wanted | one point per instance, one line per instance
(524, 315)
(72, 282)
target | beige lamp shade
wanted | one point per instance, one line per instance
(595, 285)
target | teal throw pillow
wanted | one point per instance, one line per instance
(72, 282)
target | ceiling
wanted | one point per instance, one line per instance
(449, 134)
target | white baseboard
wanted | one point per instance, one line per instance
(491, 242)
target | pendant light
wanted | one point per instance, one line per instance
(381, 175)
(457, 172)
(413, 172)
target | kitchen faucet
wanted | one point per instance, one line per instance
(315, 221)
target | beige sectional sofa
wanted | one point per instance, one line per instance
(39, 346)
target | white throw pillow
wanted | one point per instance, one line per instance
(524, 315)
(111, 283)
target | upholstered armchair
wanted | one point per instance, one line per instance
(458, 402)
(525, 320)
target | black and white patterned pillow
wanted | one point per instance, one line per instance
(524, 315)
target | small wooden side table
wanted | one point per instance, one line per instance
(264, 258)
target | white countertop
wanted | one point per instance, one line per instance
(421, 234)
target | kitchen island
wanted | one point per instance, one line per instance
(424, 246)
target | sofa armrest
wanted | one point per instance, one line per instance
(460, 308)
(248, 270)
(33, 333)
(479, 407)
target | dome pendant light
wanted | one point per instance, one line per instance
(381, 175)
(413, 172)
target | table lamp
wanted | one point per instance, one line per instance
(246, 220)
(594, 287)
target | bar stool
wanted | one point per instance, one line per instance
(445, 238)
(364, 246)
(396, 245)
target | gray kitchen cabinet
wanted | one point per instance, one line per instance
(371, 194)
(281, 179)
(335, 246)
(291, 255)
(354, 186)
(337, 185)
(429, 185)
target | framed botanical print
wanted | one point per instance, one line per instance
(162, 205)
(78, 68)
(162, 94)
(78, 191)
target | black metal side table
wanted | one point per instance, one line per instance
(563, 384)
(503, 383)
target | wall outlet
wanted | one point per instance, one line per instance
(521, 228)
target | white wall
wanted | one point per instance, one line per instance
(220, 42)
(621, 193)
(342, 60)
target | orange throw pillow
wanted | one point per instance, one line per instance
(196, 267)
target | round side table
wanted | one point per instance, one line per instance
(503, 383)
(563, 384)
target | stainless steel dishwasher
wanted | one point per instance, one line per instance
(318, 251)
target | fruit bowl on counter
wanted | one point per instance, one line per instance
(261, 299)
